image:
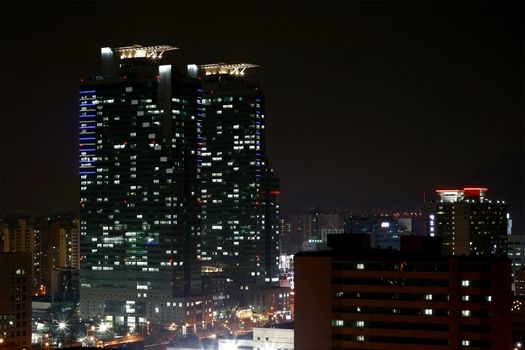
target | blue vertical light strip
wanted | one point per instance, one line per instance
(86, 155)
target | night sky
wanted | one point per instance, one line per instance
(368, 104)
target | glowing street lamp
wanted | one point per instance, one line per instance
(102, 327)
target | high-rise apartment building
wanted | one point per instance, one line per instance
(239, 190)
(22, 237)
(52, 254)
(516, 252)
(173, 176)
(139, 210)
(468, 222)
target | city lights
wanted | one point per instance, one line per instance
(358, 186)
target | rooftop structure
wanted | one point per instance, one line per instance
(224, 68)
(136, 51)
(450, 196)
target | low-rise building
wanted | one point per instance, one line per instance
(416, 299)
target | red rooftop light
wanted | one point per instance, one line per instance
(465, 189)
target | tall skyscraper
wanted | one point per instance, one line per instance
(139, 198)
(468, 222)
(239, 189)
(173, 176)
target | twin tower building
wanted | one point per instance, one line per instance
(179, 206)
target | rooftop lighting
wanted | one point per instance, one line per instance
(223, 68)
(135, 51)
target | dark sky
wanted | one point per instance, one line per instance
(368, 104)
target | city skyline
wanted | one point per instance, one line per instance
(368, 104)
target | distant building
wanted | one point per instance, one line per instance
(22, 237)
(518, 319)
(516, 252)
(276, 302)
(15, 300)
(519, 282)
(468, 222)
(139, 192)
(278, 336)
(52, 255)
(385, 231)
(51, 240)
(307, 230)
(415, 299)
(5, 236)
(74, 245)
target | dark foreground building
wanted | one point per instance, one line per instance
(417, 299)
(468, 222)
(15, 300)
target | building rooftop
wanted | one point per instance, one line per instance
(224, 68)
(137, 51)
(413, 248)
(284, 325)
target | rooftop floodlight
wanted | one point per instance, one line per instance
(137, 51)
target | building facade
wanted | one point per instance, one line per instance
(382, 299)
(138, 231)
(174, 181)
(468, 222)
(516, 252)
(22, 236)
(15, 300)
(240, 206)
